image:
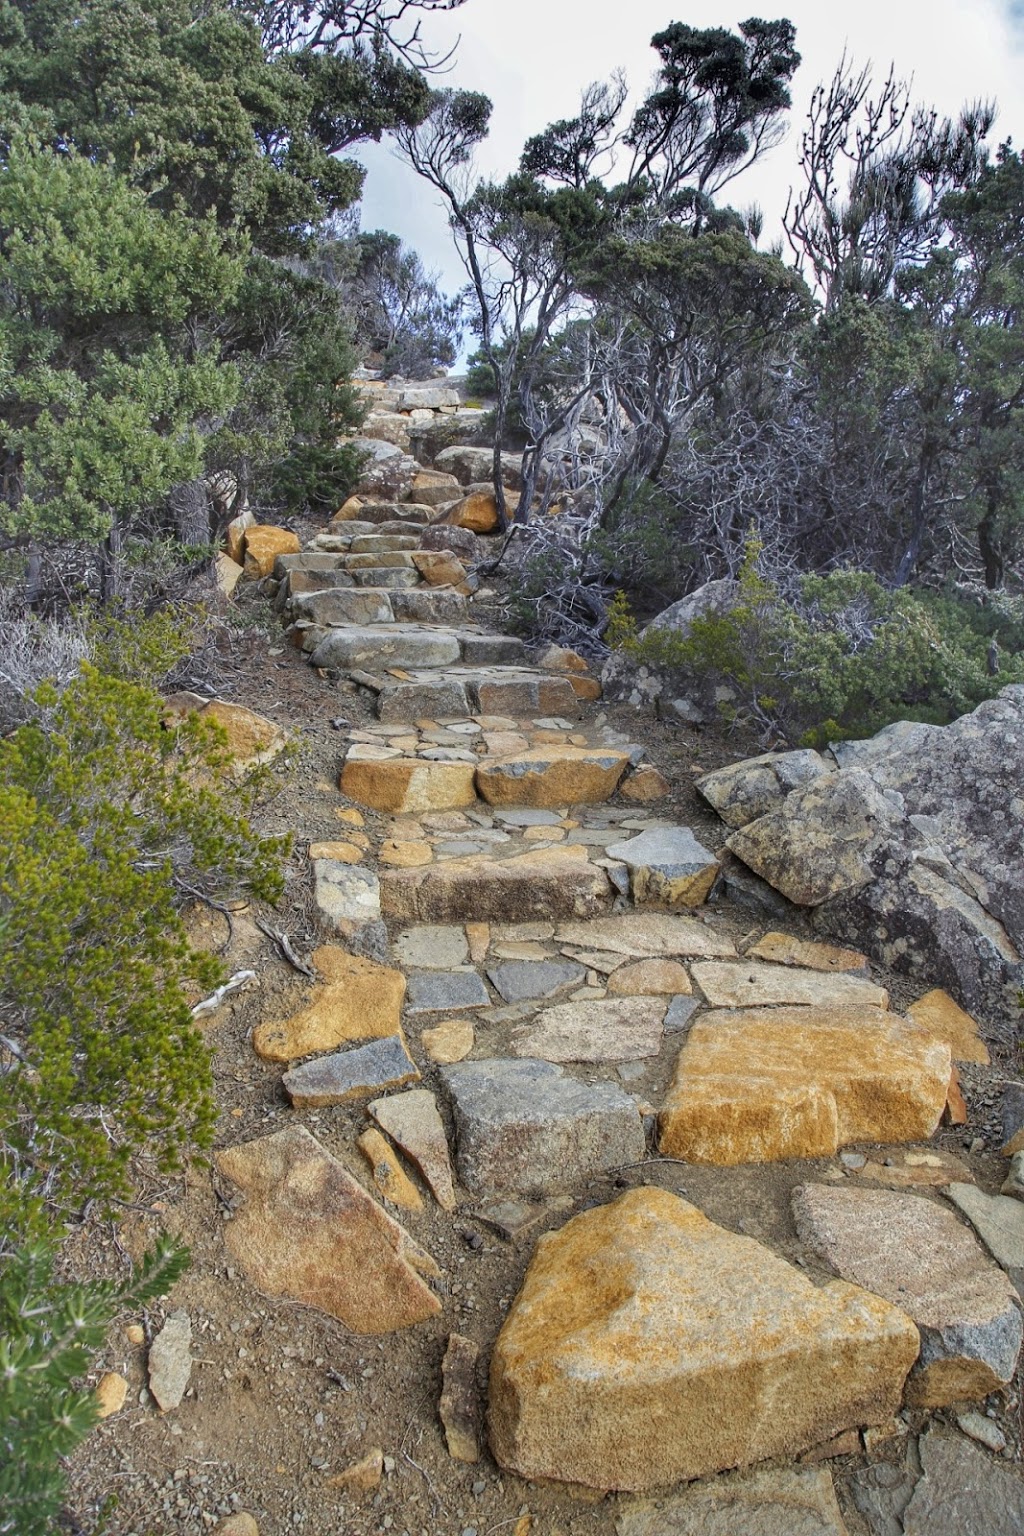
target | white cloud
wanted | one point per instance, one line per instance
(533, 57)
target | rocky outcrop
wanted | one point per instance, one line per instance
(909, 844)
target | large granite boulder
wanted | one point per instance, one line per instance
(910, 846)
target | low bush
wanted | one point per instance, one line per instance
(840, 656)
(49, 1331)
(107, 817)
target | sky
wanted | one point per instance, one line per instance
(534, 57)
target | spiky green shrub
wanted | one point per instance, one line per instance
(108, 816)
(49, 1332)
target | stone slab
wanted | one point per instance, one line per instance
(643, 935)
(914, 1253)
(963, 1492)
(446, 991)
(347, 1075)
(413, 1121)
(526, 1126)
(386, 645)
(942, 1017)
(752, 984)
(359, 1000)
(400, 785)
(432, 947)
(547, 777)
(668, 867)
(346, 895)
(518, 980)
(788, 1501)
(613, 1029)
(998, 1221)
(309, 1231)
(784, 949)
(763, 1084)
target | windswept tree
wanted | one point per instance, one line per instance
(541, 248)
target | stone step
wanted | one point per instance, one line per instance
(549, 884)
(342, 606)
(429, 605)
(397, 577)
(388, 512)
(515, 692)
(300, 583)
(375, 560)
(383, 543)
(384, 645)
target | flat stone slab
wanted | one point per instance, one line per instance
(387, 645)
(526, 1127)
(761, 1084)
(443, 991)
(963, 1492)
(309, 1231)
(550, 776)
(784, 949)
(752, 984)
(611, 1029)
(668, 867)
(432, 947)
(519, 980)
(548, 883)
(346, 895)
(998, 1221)
(942, 1017)
(916, 1254)
(359, 1000)
(789, 1501)
(648, 1346)
(170, 1361)
(643, 935)
(342, 605)
(412, 1120)
(350, 1074)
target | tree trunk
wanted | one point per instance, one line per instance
(190, 508)
(110, 576)
(988, 546)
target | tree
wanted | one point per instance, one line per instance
(101, 412)
(398, 314)
(532, 244)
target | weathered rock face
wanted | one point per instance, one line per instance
(817, 842)
(401, 784)
(742, 792)
(916, 1254)
(472, 465)
(612, 1029)
(912, 847)
(648, 1345)
(793, 1501)
(714, 597)
(761, 1084)
(307, 1230)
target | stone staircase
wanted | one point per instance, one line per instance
(530, 998)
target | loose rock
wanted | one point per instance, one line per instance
(308, 1230)
(170, 1361)
(648, 1345)
(460, 1407)
(412, 1120)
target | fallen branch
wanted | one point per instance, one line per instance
(284, 945)
(212, 1003)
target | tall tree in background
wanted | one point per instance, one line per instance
(189, 105)
(533, 245)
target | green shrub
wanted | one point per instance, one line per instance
(841, 657)
(48, 1334)
(316, 477)
(106, 817)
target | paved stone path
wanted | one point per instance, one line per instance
(527, 989)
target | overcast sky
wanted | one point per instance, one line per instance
(533, 57)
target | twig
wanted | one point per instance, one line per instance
(438, 1501)
(212, 1003)
(652, 1162)
(284, 944)
(211, 901)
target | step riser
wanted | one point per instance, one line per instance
(361, 648)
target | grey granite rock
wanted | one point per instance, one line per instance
(519, 980)
(350, 1074)
(526, 1126)
(963, 1492)
(440, 991)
